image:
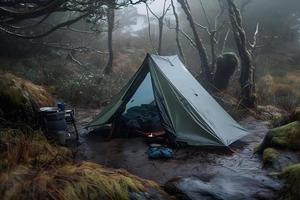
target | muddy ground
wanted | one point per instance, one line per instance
(130, 154)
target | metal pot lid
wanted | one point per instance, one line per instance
(48, 109)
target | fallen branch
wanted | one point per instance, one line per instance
(74, 59)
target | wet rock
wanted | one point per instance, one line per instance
(221, 187)
(277, 160)
(150, 195)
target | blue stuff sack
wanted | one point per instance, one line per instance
(159, 152)
(61, 106)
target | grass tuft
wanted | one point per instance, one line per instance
(291, 175)
(269, 156)
(31, 168)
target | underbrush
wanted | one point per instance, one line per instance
(84, 84)
(88, 88)
(277, 79)
(32, 168)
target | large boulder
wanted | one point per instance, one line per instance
(222, 187)
(20, 99)
(284, 137)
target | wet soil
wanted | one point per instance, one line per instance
(130, 154)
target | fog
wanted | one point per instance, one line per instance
(202, 97)
(133, 37)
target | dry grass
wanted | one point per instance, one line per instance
(82, 181)
(20, 99)
(29, 149)
(34, 169)
(29, 90)
(278, 79)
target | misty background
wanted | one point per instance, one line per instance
(70, 61)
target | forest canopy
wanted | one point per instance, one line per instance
(16, 11)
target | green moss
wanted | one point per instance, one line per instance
(287, 136)
(269, 156)
(291, 175)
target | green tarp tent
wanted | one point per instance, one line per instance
(186, 109)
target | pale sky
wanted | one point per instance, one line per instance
(155, 6)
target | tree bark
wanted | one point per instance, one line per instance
(110, 21)
(160, 28)
(247, 68)
(177, 29)
(206, 71)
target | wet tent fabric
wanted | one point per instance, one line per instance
(187, 110)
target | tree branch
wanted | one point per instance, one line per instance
(69, 22)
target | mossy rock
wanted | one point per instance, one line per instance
(20, 99)
(291, 175)
(270, 155)
(287, 137)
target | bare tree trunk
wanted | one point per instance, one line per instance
(111, 22)
(149, 29)
(213, 51)
(247, 68)
(160, 24)
(207, 74)
(177, 29)
(160, 28)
